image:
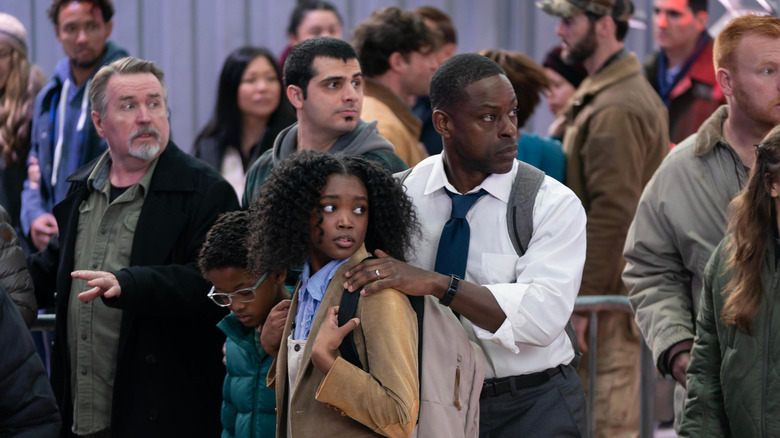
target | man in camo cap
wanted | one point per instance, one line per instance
(616, 135)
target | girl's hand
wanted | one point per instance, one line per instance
(272, 330)
(329, 337)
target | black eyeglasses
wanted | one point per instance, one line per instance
(244, 295)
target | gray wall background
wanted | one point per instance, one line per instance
(189, 39)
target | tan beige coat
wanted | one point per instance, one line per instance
(394, 121)
(382, 403)
(617, 135)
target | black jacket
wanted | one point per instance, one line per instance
(27, 406)
(169, 369)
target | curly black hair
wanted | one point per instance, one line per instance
(279, 220)
(225, 244)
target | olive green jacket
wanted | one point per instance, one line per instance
(733, 378)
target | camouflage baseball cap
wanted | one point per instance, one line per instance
(619, 10)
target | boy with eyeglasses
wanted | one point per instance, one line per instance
(248, 406)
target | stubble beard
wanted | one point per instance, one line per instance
(752, 110)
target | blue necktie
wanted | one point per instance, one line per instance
(454, 242)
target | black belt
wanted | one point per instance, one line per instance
(495, 387)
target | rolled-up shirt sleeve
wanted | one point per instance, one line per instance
(540, 302)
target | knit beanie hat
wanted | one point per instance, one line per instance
(575, 74)
(12, 31)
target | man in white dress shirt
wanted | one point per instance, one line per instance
(515, 308)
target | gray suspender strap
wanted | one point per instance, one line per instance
(520, 211)
(520, 222)
(402, 175)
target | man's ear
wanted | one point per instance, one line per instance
(295, 96)
(701, 17)
(109, 28)
(98, 121)
(442, 123)
(605, 26)
(725, 79)
(278, 277)
(396, 61)
(57, 33)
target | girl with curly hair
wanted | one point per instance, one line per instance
(732, 376)
(325, 212)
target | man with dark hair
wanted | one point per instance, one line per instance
(682, 71)
(514, 307)
(395, 49)
(530, 81)
(325, 85)
(136, 350)
(62, 138)
(616, 136)
(442, 26)
(440, 23)
(682, 214)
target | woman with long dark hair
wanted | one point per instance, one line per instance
(733, 378)
(251, 109)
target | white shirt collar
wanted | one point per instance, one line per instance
(497, 185)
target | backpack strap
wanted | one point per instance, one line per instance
(519, 220)
(520, 211)
(402, 175)
(347, 311)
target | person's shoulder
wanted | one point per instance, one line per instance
(387, 301)
(650, 64)
(554, 192)
(387, 158)
(44, 96)
(175, 164)
(419, 173)
(113, 52)
(261, 167)
(680, 158)
(255, 177)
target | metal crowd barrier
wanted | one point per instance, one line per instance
(593, 305)
(45, 323)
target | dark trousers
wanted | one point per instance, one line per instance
(555, 408)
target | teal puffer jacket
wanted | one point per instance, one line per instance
(733, 380)
(248, 405)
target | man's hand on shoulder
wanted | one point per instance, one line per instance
(386, 272)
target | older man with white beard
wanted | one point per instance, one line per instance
(144, 359)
